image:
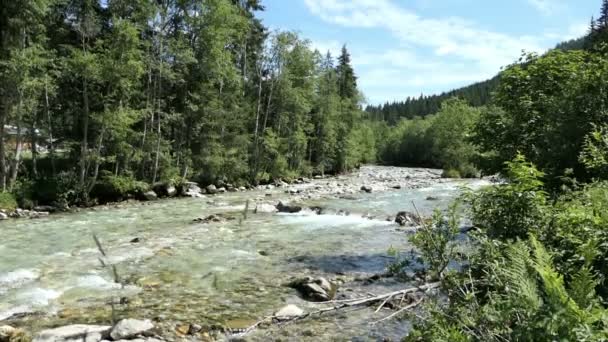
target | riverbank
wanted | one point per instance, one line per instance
(221, 276)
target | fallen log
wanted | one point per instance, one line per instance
(348, 303)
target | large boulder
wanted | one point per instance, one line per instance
(164, 190)
(405, 218)
(265, 208)
(288, 208)
(288, 312)
(211, 189)
(129, 328)
(77, 332)
(150, 196)
(315, 289)
(191, 189)
(11, 334)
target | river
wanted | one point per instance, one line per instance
(221, 274)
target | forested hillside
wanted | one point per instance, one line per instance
(110, 94)
(478, 94)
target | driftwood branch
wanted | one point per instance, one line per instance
(348, 303)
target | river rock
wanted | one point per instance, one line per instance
(265, 208)
(211, 189)
(45, 208)
(10, 334)
(316, 290)
(128, 328)
(287, 208)
(367, 189)
(405, 218)
(150, 196)
(432, 198)
(288, 312)
(191, 189)
(3, 216)
(215, 218)
(76, 332)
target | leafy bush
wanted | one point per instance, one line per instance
(435, 241)
(112, 188)
(60, 190)
(450, 173)
(7, 201)
(514, 209)
(537, 271)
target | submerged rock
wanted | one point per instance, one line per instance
(405, 218)
(287, 208)
(367, 189)
(76, 332)
(288, 312)
(316, 290)
(432, 198)
(128, 328)
(215, 218)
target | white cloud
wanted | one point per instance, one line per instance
(546, 7)
(429, 54)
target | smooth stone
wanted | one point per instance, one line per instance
(286, 208)
(150, 196)
(171, 191)
(3, 216)
(367, 189)
(69, 333)
(265, 208)
(288, 312)
(211, 189)
(128, 328)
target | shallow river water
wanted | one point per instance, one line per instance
(222, 274)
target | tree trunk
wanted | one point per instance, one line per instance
(85, 126)
(159, 95)
(3, 114)
(17, 158)
(97, 161)
(34, 149)
(50, 126)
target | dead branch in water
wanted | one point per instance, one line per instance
(349, 303)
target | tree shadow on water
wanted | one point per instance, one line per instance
(343, 263)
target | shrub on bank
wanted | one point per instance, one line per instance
(111, 188)
(7, 201)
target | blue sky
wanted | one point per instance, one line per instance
(404, 48)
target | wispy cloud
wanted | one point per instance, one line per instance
(428, 52)
(547, 7)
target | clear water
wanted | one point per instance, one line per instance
(208, 274)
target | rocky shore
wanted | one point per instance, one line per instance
(309, 284)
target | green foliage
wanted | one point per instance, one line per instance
(513, 209)
(439, 141)
(537, 270)
(7, 201)
(435, 241)
(549, 105)
(115, 188)
(595, 152)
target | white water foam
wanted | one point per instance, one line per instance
(17, 278)
(323, 221)
(38, 296)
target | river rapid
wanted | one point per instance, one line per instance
(225, 274)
